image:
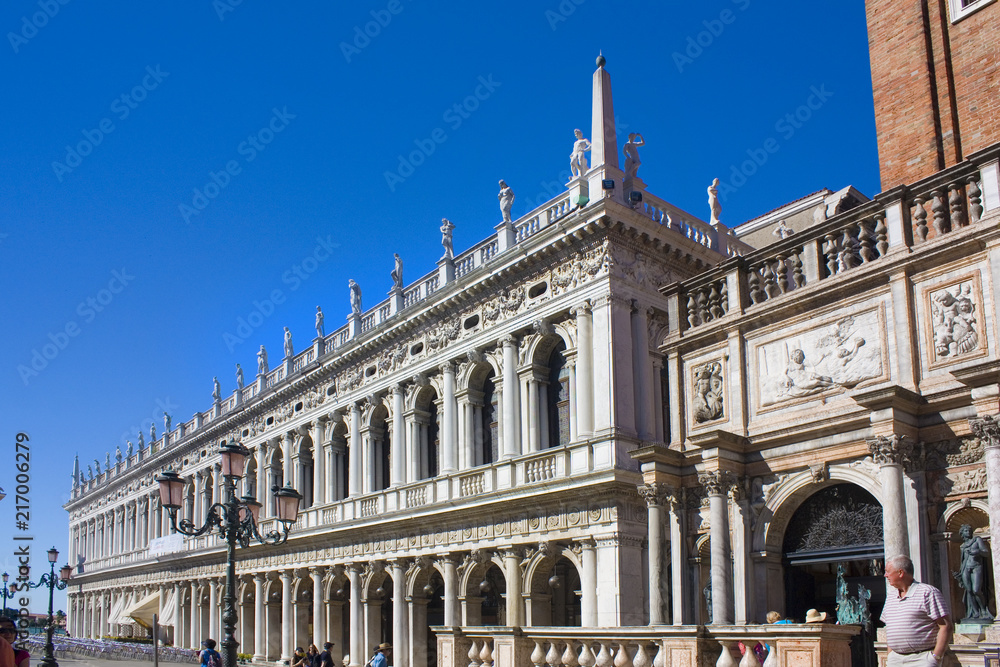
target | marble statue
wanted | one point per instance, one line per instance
(631, 150)
(142, 442)
(355, 297)
(107, 460)
(577, 159)
(239, 376)
(506, 198)
(261, 361)
(320, 331)
(446, 232)
(972, 576)
(708, 392)
(90, 471)
(707, 592)
(166, 423)
(216, 390)
(128, 448)
(783, 231)
(152, 433)
(118, 454)
(397, 272)
(713, 201)
(953, 321)
(289, 349)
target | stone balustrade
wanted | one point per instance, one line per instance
(801, 645)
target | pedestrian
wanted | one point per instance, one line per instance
(8, 635)
(380, 659)
(313, 655)
(325, 659)
(917, 625)
(300, 659)
(209, 656)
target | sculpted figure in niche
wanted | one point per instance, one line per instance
(261, 361)
(506, 198)
(971, 576)
(397, 272)
(578, 158)
(319, 322)
(713, 202)
(355, 297)
(447, 229)
(708, 392)
(289, 350)
(954, 321)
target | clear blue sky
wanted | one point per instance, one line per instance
(140, 103)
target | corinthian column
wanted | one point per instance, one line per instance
(889, 453)
(655, 496)
(449, 420)
(259, 636)
(397, 474)
(584, 370)
(717, 484)
(987, 429)
(511, 423)
(319, 464)
(355, 457)
(287, 616)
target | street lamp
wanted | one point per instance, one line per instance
(236, 520)
(50, 580)
(7, 594)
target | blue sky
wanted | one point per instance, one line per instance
(121, 119)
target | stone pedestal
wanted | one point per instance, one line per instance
(579, 192)
(353, 326)
(506, 236)
(287, 361)
(446, 271)
(395, 300)
(317, 348)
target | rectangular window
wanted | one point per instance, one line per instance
(959, 9)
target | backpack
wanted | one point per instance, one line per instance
(213, 659)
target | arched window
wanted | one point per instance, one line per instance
(558, 397)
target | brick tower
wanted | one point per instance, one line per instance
(936, 83)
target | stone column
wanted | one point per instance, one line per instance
(357, 621)
(511, 421)
(655, 496)
(659, 435)
(449, 421)
(261, 492)
(644, 420)
(195, 627)
(289, 470)
(584, 369)
(678, 558)
(987, 429)
(355, 457)
(588, 583)
(400, 627)
(259, 611)
(397, 475)
(214, 628)
(319, 465)
(717, 484)
(450, 566)
(515, 603)
(890, 452)
(316, 574)
(287, 616)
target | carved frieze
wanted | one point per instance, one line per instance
(954, 329)
(954, 452)
(828, 358)
(638, 269)
(964, 481)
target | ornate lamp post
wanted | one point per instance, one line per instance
(236, 520)
(50, 580)
(7, 595)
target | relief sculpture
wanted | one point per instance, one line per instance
(953, 320)
(838, 355)
(707, 404)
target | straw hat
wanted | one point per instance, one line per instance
(813, 616)
(384, 646)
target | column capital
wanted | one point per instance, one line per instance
(717, 482)
(657, 494)
(580, 310)
(507, 340)
(987, 429)
(890, 449)
(447, 367)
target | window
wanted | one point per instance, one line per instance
(959, 9)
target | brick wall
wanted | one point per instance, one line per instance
(935, 85)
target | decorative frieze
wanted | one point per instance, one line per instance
(954, 330)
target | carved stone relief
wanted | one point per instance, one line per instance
(954, 325)
(707, 392)
(832, 357)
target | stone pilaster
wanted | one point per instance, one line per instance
(890, 453)
(718, 483)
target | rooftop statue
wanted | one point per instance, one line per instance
(289, 349)
(216, 389)
(107, 460)
(577, 159)
(118, 454)
(142, 442)
(239, 376)
(355, 297)
(631, 150)
(90, 471)
(783, 231)
(713, 201)
(397, 272)
(506, 198)
(152, 433)
(319, 322)
(166, 423)
(128, 449)
(447, 228)
(261, 361)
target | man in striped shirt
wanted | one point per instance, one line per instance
(916, 618)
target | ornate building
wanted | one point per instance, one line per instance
(609, 415)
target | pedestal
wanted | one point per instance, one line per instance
(579, 191)
(506, 236)
(395, 300)
(446, 271)
(353, 325)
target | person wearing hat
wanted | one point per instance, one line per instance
(380, 658)
(209, 656)
(325, 658)
(813, 616)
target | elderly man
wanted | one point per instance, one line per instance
(916, 618)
